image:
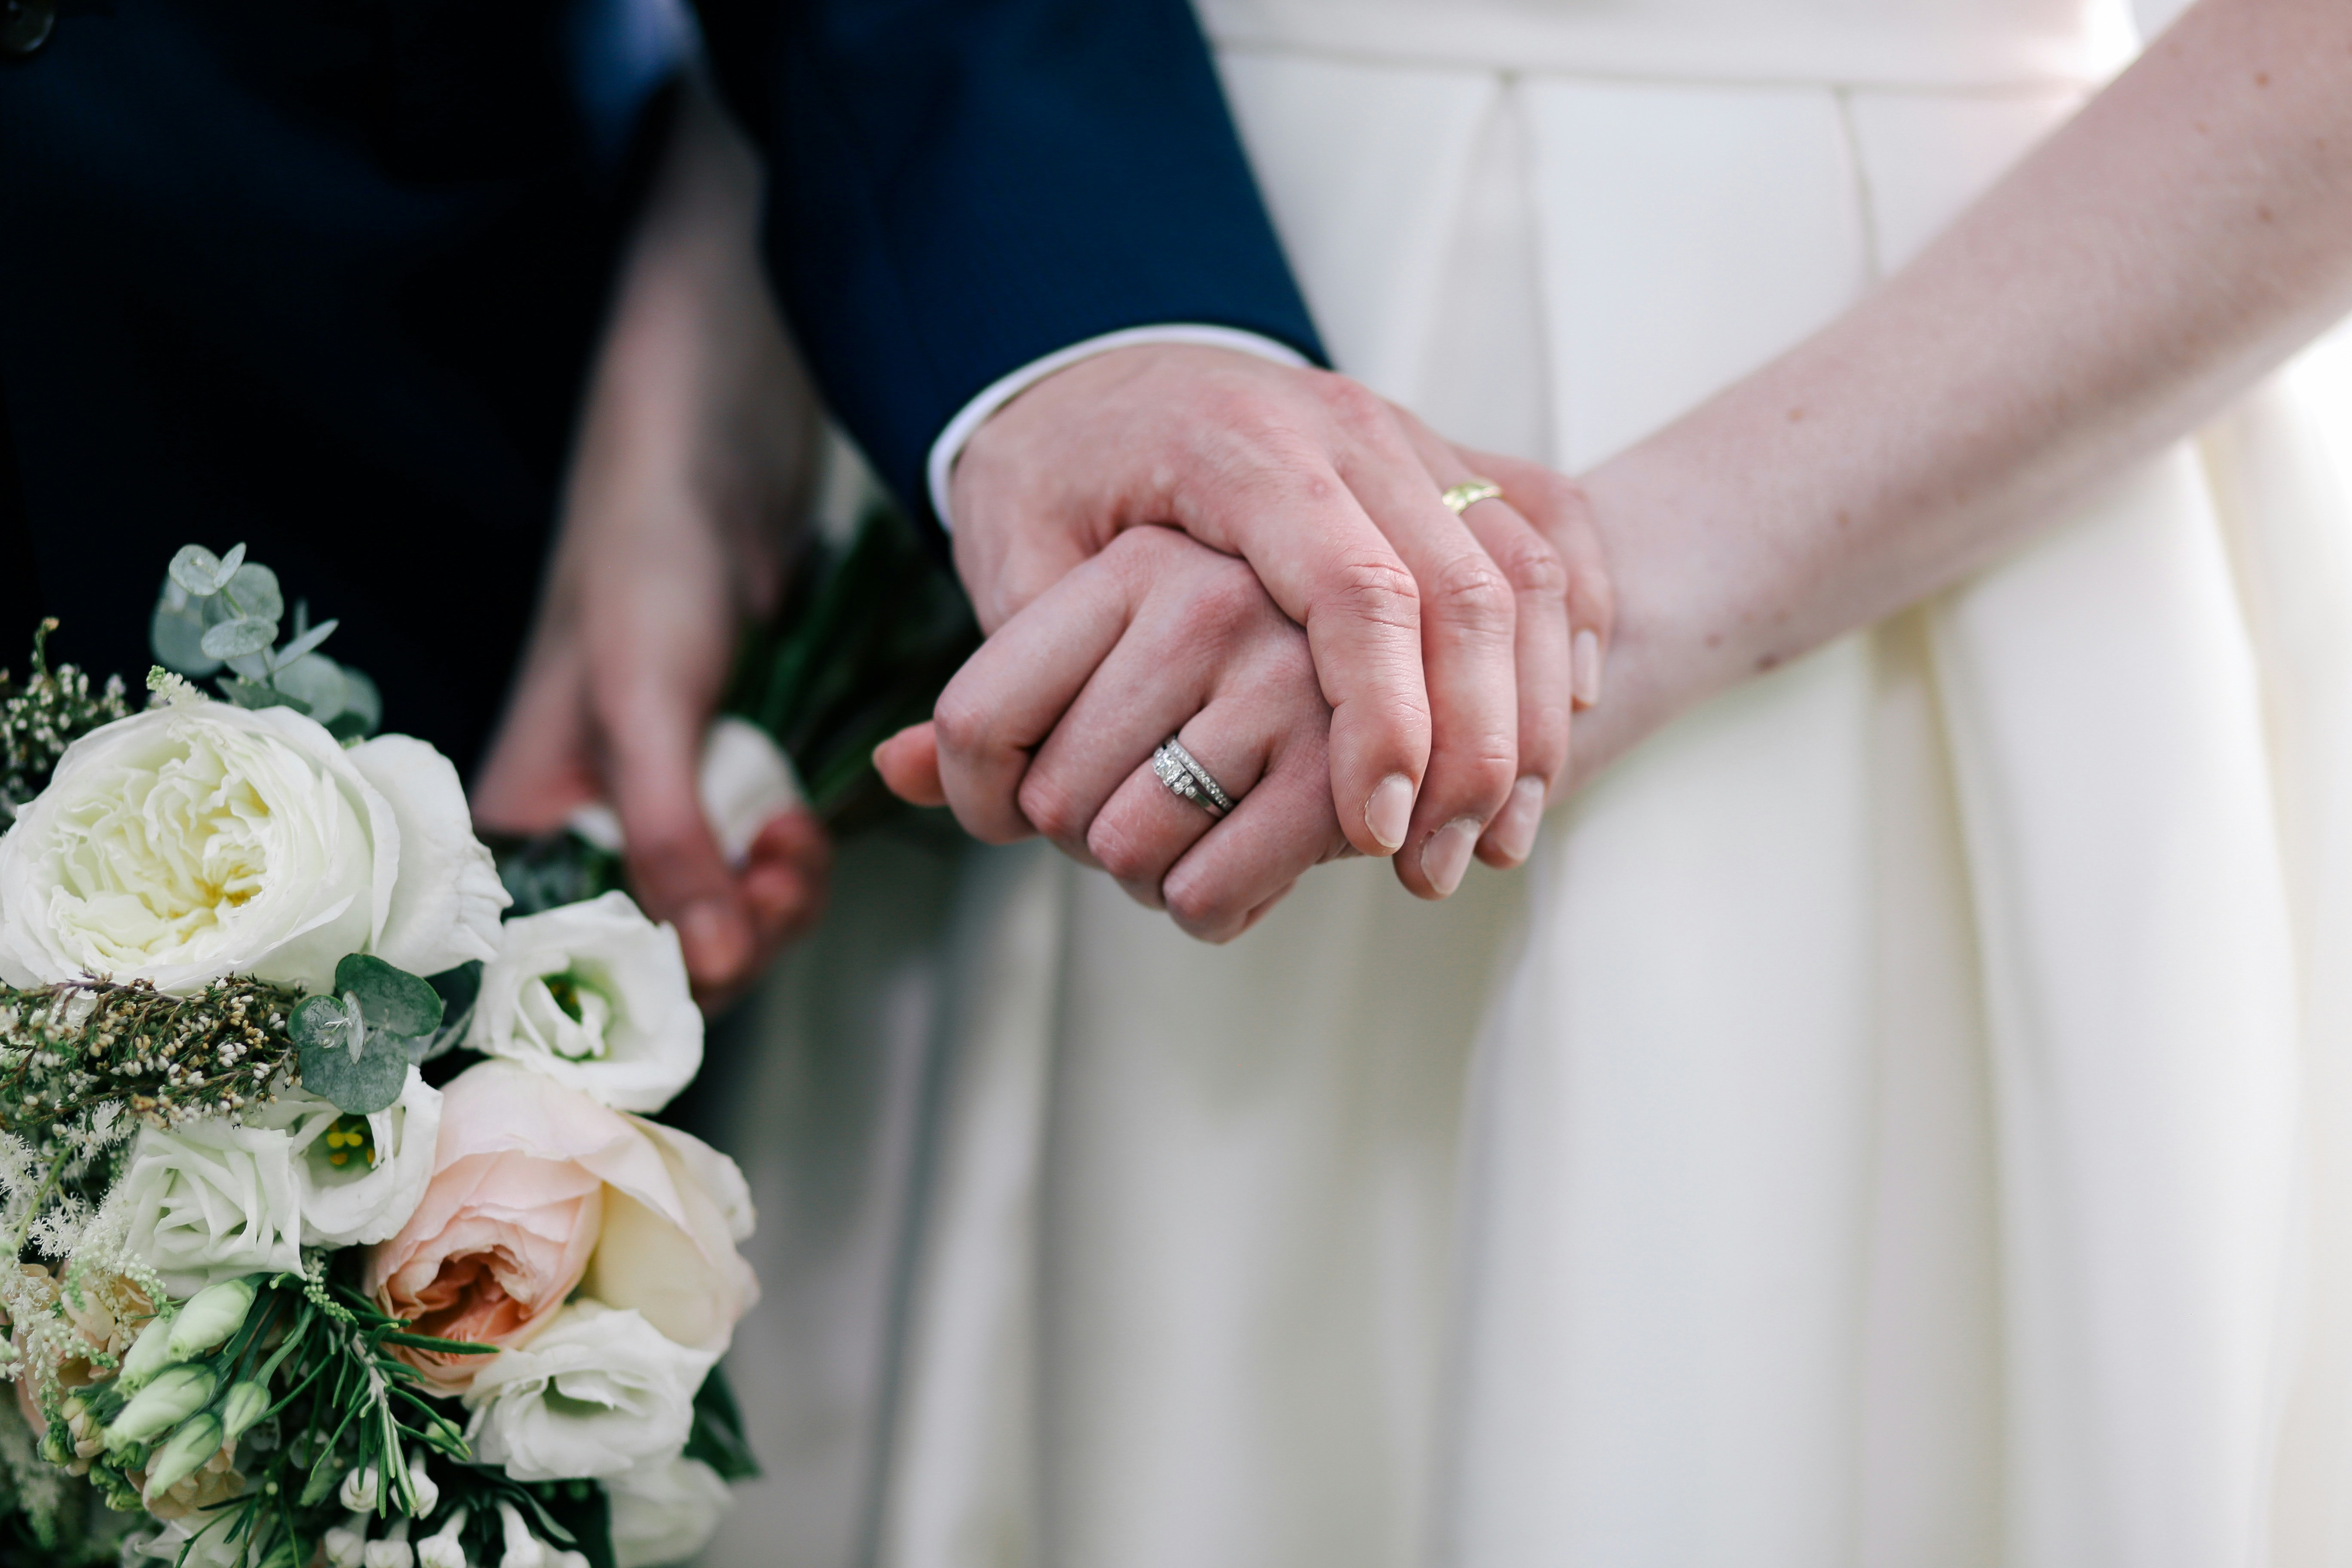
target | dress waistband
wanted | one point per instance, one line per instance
(1698, 42)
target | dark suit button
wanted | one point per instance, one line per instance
(25, 25)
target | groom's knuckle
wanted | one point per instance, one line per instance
(1352, 406)
(1379, 591)
(1471, 590)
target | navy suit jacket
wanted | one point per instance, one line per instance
(326, 275)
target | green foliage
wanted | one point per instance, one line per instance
(867, 639)
(333, 1399)
(43, 715)
(221, 612)
(560, 868)
(718, 1437)
(65, 1051)
(358, 1045)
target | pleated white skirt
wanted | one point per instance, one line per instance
(1903, 1115)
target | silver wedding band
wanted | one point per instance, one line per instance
(1182, 771)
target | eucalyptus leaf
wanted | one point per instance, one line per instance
(361, 700)
(316, 683)
(252, 592)
(391, 998)
(329, 1024)
(305, 641)
(245, 635)
(254, 694)
(460, 988)
(203, 574)
(360, 1068)
(252, 667)
(176, 635)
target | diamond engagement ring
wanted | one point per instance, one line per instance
(1182, 771)
(1464, 495)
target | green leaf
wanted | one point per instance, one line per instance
(357, 1088)
(460, 988)
(177, 635)
(329, 1024)
(252, 592)
(315, 683)
(306, 640)
(363, 700)
(245, 635)
(254, 694)
(392, 999)
(203, 574)
(718, 1437)
(361, 1069)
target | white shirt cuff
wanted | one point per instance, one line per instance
(951, 444)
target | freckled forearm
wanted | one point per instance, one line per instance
(2187, 231)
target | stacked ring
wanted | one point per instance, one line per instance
(1182, 771)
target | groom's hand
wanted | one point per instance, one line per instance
(1442, 643)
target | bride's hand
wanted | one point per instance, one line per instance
(696, 437)
(1044, 728)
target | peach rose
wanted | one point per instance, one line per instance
(537, 1187)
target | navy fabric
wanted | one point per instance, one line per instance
(325, 276)
(960, 187)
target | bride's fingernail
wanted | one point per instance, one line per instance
(1513, 832)
(1447, 853)
(1390, 812)
(1584, 667)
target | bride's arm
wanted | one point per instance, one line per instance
(2185, 232)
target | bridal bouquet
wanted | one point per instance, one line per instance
(338, 1232)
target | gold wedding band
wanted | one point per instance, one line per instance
(1469, 494)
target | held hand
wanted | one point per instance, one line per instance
(1049, 726)
(1441, 642)
(696, 437)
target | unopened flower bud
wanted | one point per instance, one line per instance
(246, 1404)
(442, 1550)
(429, 1495)
(345, 1547)
(360, 1490)
(392, 1551)
(150, 1353)
(198, 1439)
(523, 1550)
(211, 1315)
(177, 1392)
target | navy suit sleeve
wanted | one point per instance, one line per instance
(959, 187)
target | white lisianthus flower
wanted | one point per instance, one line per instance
(360, 1177)
(211, 1201)
(190, 842)
(595, 995)
(597, 1393)
(665, 1512)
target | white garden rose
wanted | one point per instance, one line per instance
(212, 1200)
(665, 1512)
(595, 995)
(194, 841)
(358, 1177)
(597, 1393)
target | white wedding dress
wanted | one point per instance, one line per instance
(1903, 1116)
